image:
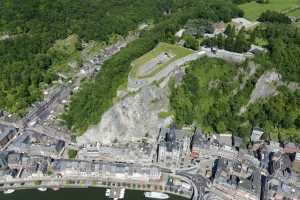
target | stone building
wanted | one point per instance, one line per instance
(6, 134)
(173, 146)
(198, 143)
(256, 134)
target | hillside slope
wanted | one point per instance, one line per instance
(222, 97)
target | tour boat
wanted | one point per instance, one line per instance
(9, 191)
(156, 195)
(122, 193)
(107, 193)
(42, 189)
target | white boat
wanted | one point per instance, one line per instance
(42, 189)
(107, 193)
(9, 191)
(156, 195)
(122, 193)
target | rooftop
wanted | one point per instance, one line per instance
(5, 130)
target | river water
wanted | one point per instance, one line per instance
(73, 194)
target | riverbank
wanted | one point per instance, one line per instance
(73, 194)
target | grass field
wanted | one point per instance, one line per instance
(295, 13)
(253, 10)
(176, 50)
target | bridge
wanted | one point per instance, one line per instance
(201, 185)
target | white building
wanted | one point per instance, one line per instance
(240, 23)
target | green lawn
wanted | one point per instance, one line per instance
(164, 114)
(253, 10)
(295, 13)
(176, 50)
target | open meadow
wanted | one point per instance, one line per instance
(253, 10)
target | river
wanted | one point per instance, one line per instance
(73, 194)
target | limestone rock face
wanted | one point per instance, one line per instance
(131, 119)
(266, 86)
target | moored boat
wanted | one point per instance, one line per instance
(42, 189)
(107, 193)
(122, 193)
(156, 195)
(9, 191)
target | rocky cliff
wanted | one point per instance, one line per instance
(134, 118)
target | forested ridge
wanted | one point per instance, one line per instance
(96, 97)
(33, 26)
(211, 96)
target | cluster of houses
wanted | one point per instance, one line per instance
(256, 171)
(6, 134)
(120, 171)
(30, 142)
(34, 143)
(15, 165)
(219, 28)
(19, 165)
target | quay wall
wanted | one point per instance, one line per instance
(86, 183)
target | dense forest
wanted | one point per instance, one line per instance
(210, 95)
(283, 43)
(231, 40)
(34, 26)
(276, 34)
(210, 98)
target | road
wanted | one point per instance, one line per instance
(135, 84)
(227, 55)
(38, 117)
(199, 183)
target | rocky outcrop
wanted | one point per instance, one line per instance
(132, 119)
(266, 86)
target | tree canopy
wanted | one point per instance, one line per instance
(274, 17)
